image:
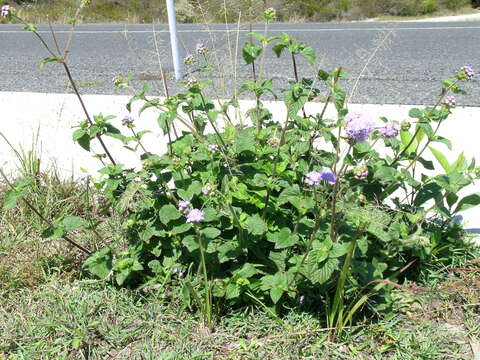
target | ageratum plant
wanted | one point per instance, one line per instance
(260, 210)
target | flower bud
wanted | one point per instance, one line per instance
(361, 172)
(269, 15)
(273, 141)
(405, 125)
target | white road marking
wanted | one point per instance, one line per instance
(244, 30)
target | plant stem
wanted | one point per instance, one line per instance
(139, 141)
(274, 171)
(77, 93)
(207, 311)
(253, 62)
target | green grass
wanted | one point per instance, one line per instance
(49, 310)
(67, 319)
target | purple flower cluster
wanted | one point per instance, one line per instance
(128, 121)
(450, 101)
(313, 178)
(359, 126)
(195, 215)
(183, 205)
(466, 72)
(389, 130)
(5, 10)
(189, 60)
(85, 177)
(201, 49)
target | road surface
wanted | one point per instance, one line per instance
(394, 62)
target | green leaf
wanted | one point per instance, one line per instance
(48, 60)
(250, 52)
(13, 196)
(82, 137)
(323, 75)
(255, 225)
(415, 113)
(339, 96)
(406, 138)
(211, 232)
(232, 291)
(441, 159)
(168, 213)
(30, 27)
(283, 239)
(100, 263)
(468, 202)
(278, 48)
(245, 141)
(326, 270)
(426, 193)
(276, 293)
(72, 223)
(308, 54)
(385, 173)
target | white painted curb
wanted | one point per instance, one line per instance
(55, 115)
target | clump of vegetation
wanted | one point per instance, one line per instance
(215, 11)
(246, 209)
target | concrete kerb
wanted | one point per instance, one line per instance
(53, 116)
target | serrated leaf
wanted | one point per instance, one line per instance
(250, 52)
(326, 270)
(308, 54)
(100, 263)
(256, 225)
(283, 238)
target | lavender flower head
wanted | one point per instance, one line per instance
(191, 82)
(466, 73)
(328, 176)
(5, 10)
(313, 178)
(389, 130)
(128, 121)
(201, 49)
(359, 126)
(85, 177)
(195, 215)
(183, 205)
(213, 147)
(189, 60)
(450, 101)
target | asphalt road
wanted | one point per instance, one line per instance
(400, 63)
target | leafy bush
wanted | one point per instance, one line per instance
(271, 211)
(456, 4)
(397, 7)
